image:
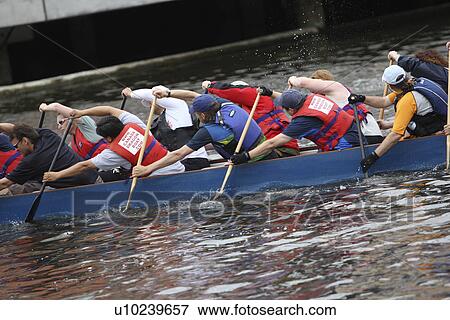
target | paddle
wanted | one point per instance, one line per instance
(141, 153)
(360, 136)
(41, 120)
(385, 92)
(448, 110)
(124, 99)
(37, 200)
(239, 145)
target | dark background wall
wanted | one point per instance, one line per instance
(156, 30)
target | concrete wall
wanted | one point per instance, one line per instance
(17, 12)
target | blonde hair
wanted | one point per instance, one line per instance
(322, 75)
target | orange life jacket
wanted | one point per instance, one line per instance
(128, 145)
(84, 147)
(9, 161)
(336, 121)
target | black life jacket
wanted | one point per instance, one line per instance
(172, 139)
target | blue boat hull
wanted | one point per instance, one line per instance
(301, 171)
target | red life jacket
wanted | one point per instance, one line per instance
(336, 122)
(271, 119)
(84, 147)
(128, 145)
(9, 161)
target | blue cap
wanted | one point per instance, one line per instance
(203, 103)
(293, 99)
(5, 143)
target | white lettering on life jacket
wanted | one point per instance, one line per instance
(132, 141)
(321, 104)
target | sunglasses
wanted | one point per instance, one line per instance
(17, 143)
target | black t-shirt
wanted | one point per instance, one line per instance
(33, 166)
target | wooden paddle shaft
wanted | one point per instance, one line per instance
(385, 92)
(448, 113)
(241, 140)
(142, 151)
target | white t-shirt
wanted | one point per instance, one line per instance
(370, 128)
(108, 160)
(177, 114)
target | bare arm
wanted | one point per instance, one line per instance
(170, 158)
(69, 172)
(56, 107)
(269, 145)
(179, 94)
(378, 102)
(6, 127)
(388, 142)
(99, 111)
(324, 87)
(5, 183)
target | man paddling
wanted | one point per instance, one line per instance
(223, 125)
(38, 147)
(420, 104)
(85, 140)
(124, 133)
(174, 126)
(339, 93)
(314, 117)
(270, 118)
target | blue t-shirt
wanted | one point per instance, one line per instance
(304, 126)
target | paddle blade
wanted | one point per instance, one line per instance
(133, 186)
(34, 208)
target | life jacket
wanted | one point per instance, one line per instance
(336, 122)
(9, 161)
(434, 93)
(434, 121)
(128, 145)
(360, 109)
(86, 149)
(270, 118)
(171, 139)
(230, 121)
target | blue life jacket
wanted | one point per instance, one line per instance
(227, 130)
(434, 93)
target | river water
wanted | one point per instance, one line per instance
(384, 237)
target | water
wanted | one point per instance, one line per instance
(384, 237)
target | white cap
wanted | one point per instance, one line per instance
(239, 83)
(394, 75)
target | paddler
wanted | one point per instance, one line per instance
(271, 119)
(124, 133)
(174, 125)
(38, 147)
(427, 64)
(420, 104)
(9, 156)
(223, 125)
(339, 93)
(314, 117)
(85, 140)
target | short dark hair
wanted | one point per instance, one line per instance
(210, 115)
(22, 130)
(109, 127)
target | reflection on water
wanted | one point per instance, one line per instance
(385, 237)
